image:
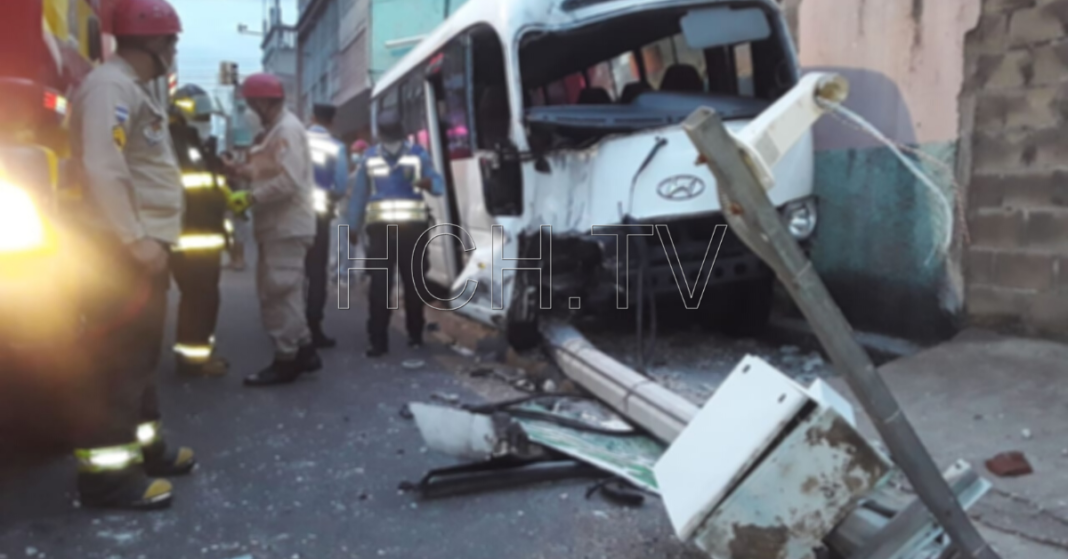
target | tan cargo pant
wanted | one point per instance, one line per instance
(280, 284)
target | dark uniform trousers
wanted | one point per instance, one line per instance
(315, 265)
(197, 274)
(124, 321)
(382, 281)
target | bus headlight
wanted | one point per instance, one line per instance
(21, 226)
(800, 218)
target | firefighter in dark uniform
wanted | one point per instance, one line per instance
(388, 190)
(196, 261)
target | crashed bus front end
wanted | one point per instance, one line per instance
(604, 96)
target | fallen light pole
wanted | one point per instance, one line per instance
(741, 166)
(656, 409)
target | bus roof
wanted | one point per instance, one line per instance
(508, 17)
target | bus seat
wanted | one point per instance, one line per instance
(682, 78)
(594, 96)
(632, 90)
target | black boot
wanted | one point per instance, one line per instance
(128, 489)
(319, 339)
(114, 478)
(308, 359)
(415, 341)
(280, 372)
(376, 351)
(159, 459)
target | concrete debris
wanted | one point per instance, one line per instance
(1026, 433)
(446, 398)
(413, 364)
(31, 551)
(463, 350)
(549, 387)
(1009, 464)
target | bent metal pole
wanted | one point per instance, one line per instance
(752, 217)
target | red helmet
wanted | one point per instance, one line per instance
(359, 145)
(144, 18)
(263, 86)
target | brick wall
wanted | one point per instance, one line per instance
(1016, 64)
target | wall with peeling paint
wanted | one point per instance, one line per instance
(905, 63)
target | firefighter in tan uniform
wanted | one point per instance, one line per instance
(133, 216)
(281, 197)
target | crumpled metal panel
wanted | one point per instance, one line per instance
(796, 494)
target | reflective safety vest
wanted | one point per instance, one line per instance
(324, 151)
(203, 227)
(394, 197)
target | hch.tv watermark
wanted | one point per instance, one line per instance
(691, 294)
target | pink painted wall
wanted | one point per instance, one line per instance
(904, 60)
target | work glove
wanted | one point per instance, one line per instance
(239, 202)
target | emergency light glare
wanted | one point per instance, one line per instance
(320, 201)
(21, 225)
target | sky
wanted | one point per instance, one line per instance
(211, 36)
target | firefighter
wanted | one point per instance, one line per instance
(280, 170)
(133, 217)
(331, 182)
(196, 261)
(388, 189)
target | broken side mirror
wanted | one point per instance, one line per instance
(502, 181)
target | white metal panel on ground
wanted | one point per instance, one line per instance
(798, 492)
(455, 432)
(724, 440)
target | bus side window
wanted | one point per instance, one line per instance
(457, 117)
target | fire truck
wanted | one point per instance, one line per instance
(47, 47)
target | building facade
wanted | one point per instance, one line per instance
(974, 92)
(280, 53)
(345, 45)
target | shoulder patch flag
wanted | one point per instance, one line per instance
(119, 135)
(122, 114)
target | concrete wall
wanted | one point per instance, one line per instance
(879, 225)
(1016, 100)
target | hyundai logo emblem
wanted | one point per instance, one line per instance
(680, 188)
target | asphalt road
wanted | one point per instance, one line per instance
(311, 471)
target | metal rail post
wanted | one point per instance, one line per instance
(752, 217)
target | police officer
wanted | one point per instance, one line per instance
(388, 189)
(133, 216)
(331, 182)
(196, 262)
(280, 172)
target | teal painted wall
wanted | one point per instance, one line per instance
(401, 19)
(878, 227)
